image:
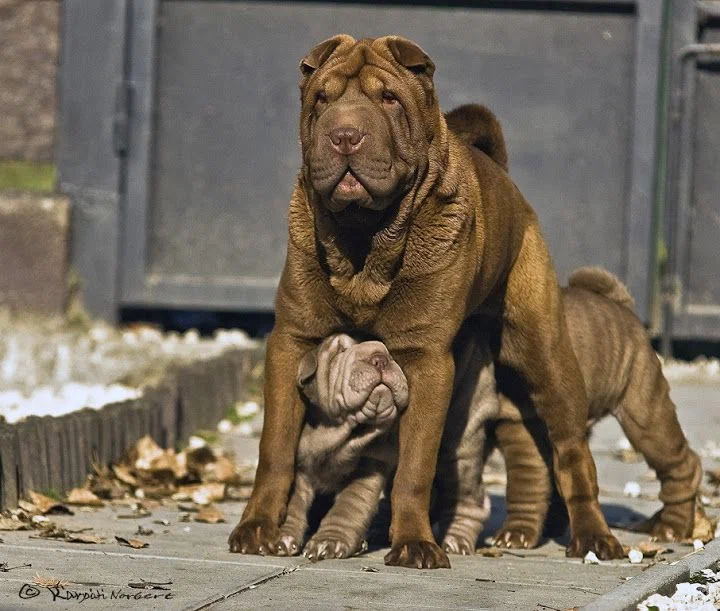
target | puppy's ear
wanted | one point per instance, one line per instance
(307, 368)
(320, 53)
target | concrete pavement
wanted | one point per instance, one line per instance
(195, 569)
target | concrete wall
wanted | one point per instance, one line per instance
(28, 69)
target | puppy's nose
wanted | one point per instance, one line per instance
(346, 140)
(379, 361)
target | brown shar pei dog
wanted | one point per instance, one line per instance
(623, 377)
(355, 391)
(400, 230)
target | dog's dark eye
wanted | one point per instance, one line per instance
(388, 97)
(321, 97)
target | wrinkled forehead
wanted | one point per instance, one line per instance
(366, 59)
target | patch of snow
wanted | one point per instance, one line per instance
(49, 367)
(247, 409)
(47, 401)
(701, 369)
(224, 426)
(703, 596)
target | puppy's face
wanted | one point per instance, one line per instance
(366, 123)
(353, 381)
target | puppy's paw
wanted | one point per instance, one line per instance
(605, 546)
(516, 537)
(417, 554)
(287, 546)
(327, 547)
(254, 536)
(673, 522)
(454, 544)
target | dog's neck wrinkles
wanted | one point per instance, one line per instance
(361, 271)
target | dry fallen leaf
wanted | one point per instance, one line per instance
(238, 493)
(490, 552)
(704, 528)
(713, 476)
(650, 549)
(27, 507)
(50, 582)
(82, 496)
(81, 538)
(124, 475)
(201, 494)
(210, 515)
(222, 470)
(144, 532)
(13, 524)
(134, 543)
(45, 504)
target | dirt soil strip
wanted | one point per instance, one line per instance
(660, 578)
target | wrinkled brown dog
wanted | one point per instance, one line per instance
(355, 391)
(623, 377)
(400, 230)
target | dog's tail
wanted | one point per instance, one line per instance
(477, 126)
(602, 282)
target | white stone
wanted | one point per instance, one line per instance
(632, 489)
(591, 558)
(635, 556)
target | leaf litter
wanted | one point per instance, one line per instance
(147, 476)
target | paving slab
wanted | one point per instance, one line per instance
(205, 575)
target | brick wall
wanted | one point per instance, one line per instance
(28, 68)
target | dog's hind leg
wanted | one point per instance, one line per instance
(648, 418)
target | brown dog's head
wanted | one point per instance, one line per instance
(368, 118)
(355, 381)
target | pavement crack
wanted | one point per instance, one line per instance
(245, 587)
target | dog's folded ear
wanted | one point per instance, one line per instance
(307, 368)
(411, 56)
(321, 52)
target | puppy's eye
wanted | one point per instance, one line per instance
(321, 97)
(388, 97)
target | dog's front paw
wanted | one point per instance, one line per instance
(326, 547)
(516, 537)
(254, 536)
(417, 555)
(454, 544)
(287, 546)
(604, 545)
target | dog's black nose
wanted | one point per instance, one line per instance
(346, 140)
(379, 361)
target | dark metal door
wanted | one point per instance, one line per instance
(692, 287)
(212, 147)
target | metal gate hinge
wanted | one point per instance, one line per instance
(121, 118)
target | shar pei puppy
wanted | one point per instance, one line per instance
(401, 231)
(348, 447)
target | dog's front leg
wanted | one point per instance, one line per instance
(258, 529)
(430, 380)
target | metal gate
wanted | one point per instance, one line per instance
(205, 119)
(692, 279)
